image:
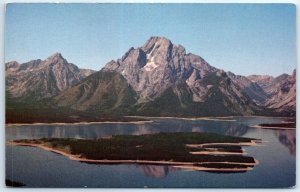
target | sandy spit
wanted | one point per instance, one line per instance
(263, 127)
(217, 153)
(252, 143)
(79, 123)
(189, 118)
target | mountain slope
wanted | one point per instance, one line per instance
(37, 79)
(252, 89)
(102, 92)
(266, 82)
(222, 99)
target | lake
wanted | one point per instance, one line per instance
(38, 168)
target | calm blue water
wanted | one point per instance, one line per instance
(38, 168)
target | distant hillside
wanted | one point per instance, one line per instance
(39, 79)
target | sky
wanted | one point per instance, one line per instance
(242, 38)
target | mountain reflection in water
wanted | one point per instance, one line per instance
(49, 168)
(107, 130)
(93, 131)
(156, 171)
(288, 139)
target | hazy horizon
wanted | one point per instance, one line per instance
(245, 39)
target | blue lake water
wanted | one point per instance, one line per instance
(38, 168)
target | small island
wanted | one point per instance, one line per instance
(288, 123)
(195, 151)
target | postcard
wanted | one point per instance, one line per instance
(113, 95)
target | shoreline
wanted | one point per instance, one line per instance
(194, 168)
(222, 118)
(217, 117)
(208, 118)
(244, 144)
(275, 128)
(161, 162)
(78, 123)
(217, 153)
(188, 118)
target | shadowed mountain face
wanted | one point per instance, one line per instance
(39, 79)
(103, 92)
(157, 79)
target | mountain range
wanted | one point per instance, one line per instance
(156, 79)
(281, 92)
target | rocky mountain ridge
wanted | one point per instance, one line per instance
(169, 81)
(156, 79)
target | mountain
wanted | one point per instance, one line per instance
(37, 79)
(161, 79)
(154, 67)
(250, 88)
(281, 92)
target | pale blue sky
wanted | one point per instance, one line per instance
(242, 38)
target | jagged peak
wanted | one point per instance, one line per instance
(127, 53)
(159, 38)
(56, 57)
(156, 40)
(181, 48)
